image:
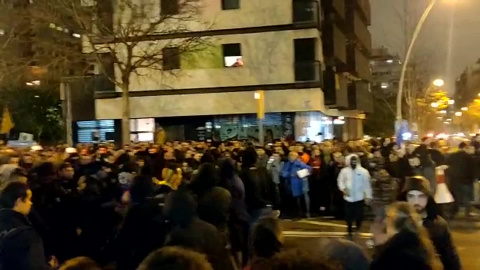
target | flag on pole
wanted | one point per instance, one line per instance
(7, 123)
(260, 97)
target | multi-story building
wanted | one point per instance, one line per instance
(467, 86)
(38, 43)
(386, 69)
(270, 45)
(347, 47)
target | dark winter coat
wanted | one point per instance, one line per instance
(437, 157)
(259, 188)
(21, 248)
(142, 232)
(384, 188)
(202, 237)
(461, 167)
(440, 235)
(214, 207)
(402, 251)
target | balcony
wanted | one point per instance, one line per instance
(339, 7)
(339, 45)
(358, 64)
(306, 12)
(102, 86)
(362, 66)
(362, 32)
(364, 99)
(310, 71)
(364, 6)
(335, 89)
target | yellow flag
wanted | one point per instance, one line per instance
(260, 97)
(7, 123)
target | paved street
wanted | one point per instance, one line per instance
(310, 233)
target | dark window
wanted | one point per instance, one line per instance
(232, 55)
(306, 66)
(105, 17)
(169, 7)
(171, 58)
(230, 4)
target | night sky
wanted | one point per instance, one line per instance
(449, 41)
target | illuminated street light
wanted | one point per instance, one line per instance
(434, 105)
(451, 101)
(389, 61)
(458, 114)
(443, 112)
(464, 109)
(439, 82)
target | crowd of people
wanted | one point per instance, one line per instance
(198, 205)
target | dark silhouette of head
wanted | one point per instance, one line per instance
(169, 258)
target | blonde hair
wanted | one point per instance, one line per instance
(405, 218)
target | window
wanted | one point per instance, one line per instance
(232, 55)
(230, 4)
(171, 58)
(169, 7)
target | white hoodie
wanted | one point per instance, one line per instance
(356, 182)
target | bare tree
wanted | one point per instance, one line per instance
(419, 71)
(130, 38)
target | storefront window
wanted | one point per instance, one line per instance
(95, 131)
(245, 127)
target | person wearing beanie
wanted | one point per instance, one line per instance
(417, 193)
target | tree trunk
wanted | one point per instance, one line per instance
(125, 114)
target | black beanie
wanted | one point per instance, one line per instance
(419, 183)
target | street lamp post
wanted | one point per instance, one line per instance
(407, 59)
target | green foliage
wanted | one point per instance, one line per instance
(203, 57)
(35, 110)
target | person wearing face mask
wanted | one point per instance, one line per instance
(417, 193)
(354, 182)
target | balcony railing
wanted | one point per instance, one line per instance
(310, 71)
(102, 85)
(306, 12)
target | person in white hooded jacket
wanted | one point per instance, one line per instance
(354, 182)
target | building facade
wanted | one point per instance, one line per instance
(270, 45)
(386, 70)
(347, 46)
(467, 86)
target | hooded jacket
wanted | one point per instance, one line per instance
(355, 181)
(289, 172)
(440, 235)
